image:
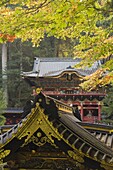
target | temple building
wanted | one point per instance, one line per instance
(50, 137)
(60, 78)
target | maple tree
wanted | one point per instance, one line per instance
(89, 21)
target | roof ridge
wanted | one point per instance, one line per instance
(52, 59)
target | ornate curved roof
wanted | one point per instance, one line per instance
(50, 67)
(56, 120)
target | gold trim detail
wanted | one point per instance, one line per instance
(38, 120)
(4, 153)
(40, 140)
(106, 167)
(67, 72)
(75, 156)
(38, 90)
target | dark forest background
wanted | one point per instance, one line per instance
(21, 57)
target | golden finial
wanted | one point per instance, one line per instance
(38, 90)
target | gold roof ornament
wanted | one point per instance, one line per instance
(38, 90)
(60, 133)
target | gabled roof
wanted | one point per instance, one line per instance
(50, 67)
(57, 121)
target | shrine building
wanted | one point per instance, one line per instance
(50, 137)
(59, 78)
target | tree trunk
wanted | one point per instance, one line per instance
(4, 72)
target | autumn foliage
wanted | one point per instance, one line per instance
(6, 37)
(87, 21)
